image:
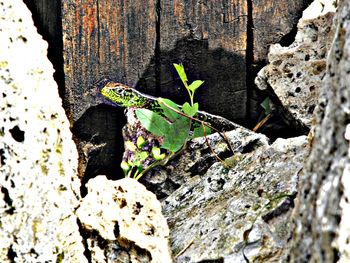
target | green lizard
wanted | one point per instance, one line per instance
(125, 96)
(122, 95)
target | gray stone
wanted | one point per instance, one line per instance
(295, 73)
(222, 209)
(195, 159)
(127, 219)
(38, 159)
(244, 210)
(321, 220)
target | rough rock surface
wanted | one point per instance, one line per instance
(295, 72)
(38, 159)
(322, 233)
(343, 243)
(243, 211)
(195, 159)
(127, 222)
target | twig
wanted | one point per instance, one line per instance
(211, 149)
(261, 123)
(184, 249)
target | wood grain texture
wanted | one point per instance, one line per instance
(115, 39)
(209, 38)
(125, 41)
(274, 21)
(136, 42)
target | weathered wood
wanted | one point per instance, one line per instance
(272, 22)
(111, 38)
(209, 37)
(115, 39)
(136, 42)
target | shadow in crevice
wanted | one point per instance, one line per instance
(224, 91)
(282, 123)
(101, 145)
(289, 38)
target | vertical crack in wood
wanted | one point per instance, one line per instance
(98, 30)
(249, 57)
(157, 52)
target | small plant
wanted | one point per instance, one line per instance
(171, 125)
(175, 125)
(265, 115)
(140, 157)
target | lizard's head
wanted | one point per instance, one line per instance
(121, 94)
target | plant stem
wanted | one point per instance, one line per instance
(149, 168)
(190, 93)
(161, 162)
(222, 135)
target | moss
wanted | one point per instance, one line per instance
(60, 257)
(60, 168)
(44, 169)
(234, 160)
(256, 207)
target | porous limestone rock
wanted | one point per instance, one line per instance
(38, 159)
(295, 72)
(322, 231)
(125, 221)
(229, 214)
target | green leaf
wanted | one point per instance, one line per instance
(140, 142)
(195, 85)
(177, 135)
(125, 166)
(137, 163)
(266, 105)
(156, 154)
(181, 71)
(169, 113)
(152, 121)
(142, 156)
(199, 131)
(130, 146)
(190, 110)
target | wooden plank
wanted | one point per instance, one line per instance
(111, 38)
(136, 42)
(273, 21)
(209, 38)
(115, 39)
(270, 22)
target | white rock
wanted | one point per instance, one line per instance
(38, 179)
(343, 242)
(124, 212)
(295, 73)
(319, 8)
